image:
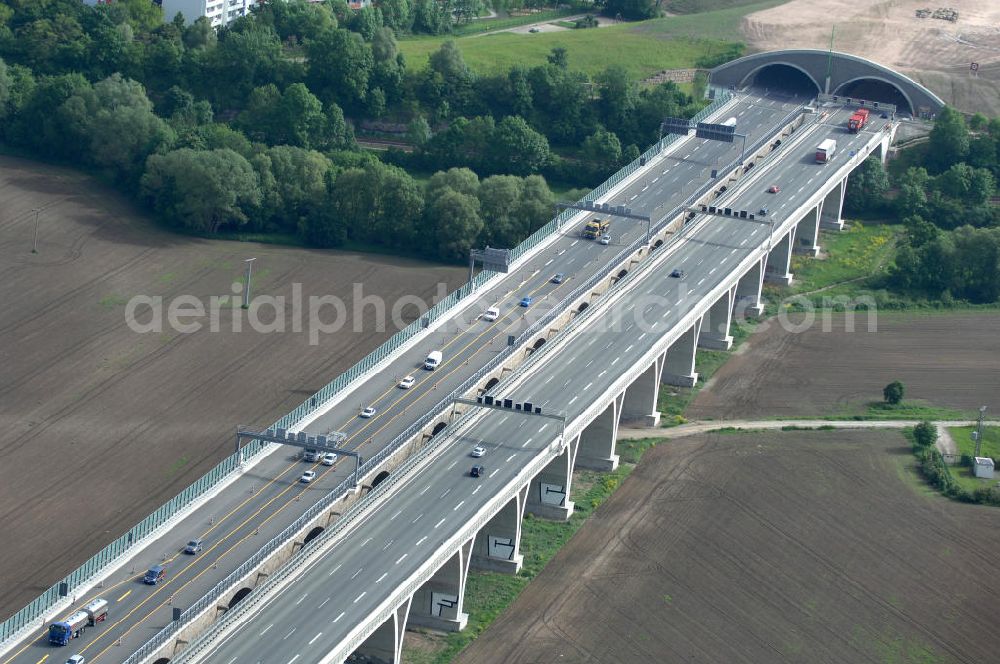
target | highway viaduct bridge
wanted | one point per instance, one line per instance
(726, 254)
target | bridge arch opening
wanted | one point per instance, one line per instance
(313, 534)
(583, 306)
(785, 78)
(538, 344)
(162, 660)
(438, 428)
(622, 273)
(238, 597)
(658, 244)
(381, 477)
(876, 89)
(490, 384)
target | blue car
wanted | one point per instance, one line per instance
(526, 301)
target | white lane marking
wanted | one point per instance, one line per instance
(267, 628)
(587, 387)
(339, 617)
(742, 243)
(335, 569)
(573, 243)
(425, 490)
(549, 263)
(365, 543)
(455, 508)
(384, 574)
(290, 633)
(446, 492)
(634, 196)
(301, 598)
(401, 558)
(448, 468)
(655, 323)
(439, 523)
(602, 373)
(293, 659)
(511, 457)
(690, 291)
(687, 155)
(658, 177)
(494, 472)
(561, 252)
(724, 259)
(359, 597)
(701, 281)
(548, 379)
(324, 603)
(712, 271)
(732, 251)
(754, 231)
(573, 399)
(615, 361)
(314, 639)
(527, 442)
(629, 347)
(477, 489)
(395, 515)
(419, 542)
(387, 545)
(418, 518)
(589, 363)
(358, 572)
(543, 427)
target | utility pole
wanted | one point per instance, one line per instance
(978, 435)
(34, 243)
(246, 286)
(829, 61)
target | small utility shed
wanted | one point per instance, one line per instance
(983, 467)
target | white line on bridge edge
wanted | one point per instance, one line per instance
(339, 617)
(455, 508)
(359, 597)
(401, 558)
(315, 637)
(439, 523)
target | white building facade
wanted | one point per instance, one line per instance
(218, 12)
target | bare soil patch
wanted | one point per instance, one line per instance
(934, 52)
(99, 425)
(793, 547)
(947, 360)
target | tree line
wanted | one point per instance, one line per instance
(947, 202)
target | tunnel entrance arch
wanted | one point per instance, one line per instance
(438, 428)
(313, 534)
(876, 89)
(784, 77)
(381, 477)
(238, 597)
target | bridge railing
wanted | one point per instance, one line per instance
(114, 552)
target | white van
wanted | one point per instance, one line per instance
(433, 360)
(491, 314)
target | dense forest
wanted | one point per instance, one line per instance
(951, 248)
(251, 128)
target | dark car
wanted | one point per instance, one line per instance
(677, 274)
(762, 212)
(477, 471)
(193, 547)
(154, 575)
(558, 279)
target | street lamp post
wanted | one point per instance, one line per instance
(34, 242)
(246, 285)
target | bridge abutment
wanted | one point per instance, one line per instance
(678, 367)
(715, 324)
(549, 491)
(596, 450)
(779, 260)
(497, 546)
(438, 603)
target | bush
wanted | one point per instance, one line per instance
(925, 434)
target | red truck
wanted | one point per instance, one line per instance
(858, 120)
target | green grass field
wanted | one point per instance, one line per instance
(706, 6)
(642, 48)
(860, 251)
(963, 438)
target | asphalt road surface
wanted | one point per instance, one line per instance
(267, 498)
(319, 608)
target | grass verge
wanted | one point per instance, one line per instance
(488, 594)
(963, 438)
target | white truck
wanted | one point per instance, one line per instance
(433, 360)
(825, 151)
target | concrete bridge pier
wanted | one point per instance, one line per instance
(832, 207)
(386, 643)
(678, 367)
(747, 303)
(641, 396)
(596, 449)
(715, 323)
(807, 232)
(779, 260)
(497, 547)
(438, 603)
(549, 491)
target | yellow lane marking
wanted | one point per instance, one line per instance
(42, 659)
(124, 596)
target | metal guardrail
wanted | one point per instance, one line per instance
(414, 429)
(121, 546)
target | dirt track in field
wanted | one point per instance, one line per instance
(99, 425)
(947, 360)
(807, 547)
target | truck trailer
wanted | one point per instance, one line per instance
(595, 228)
(825, 151)
(857, 121)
